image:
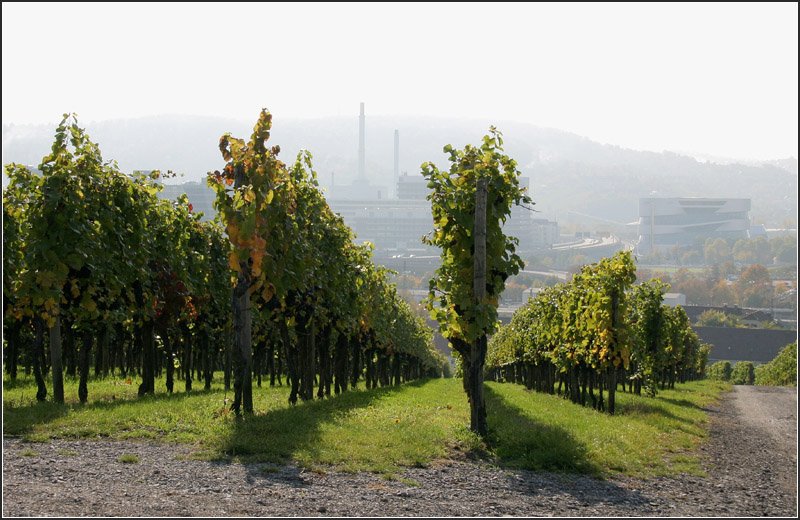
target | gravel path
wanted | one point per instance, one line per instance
(751, 457)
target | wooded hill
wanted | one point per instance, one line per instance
(570, 174)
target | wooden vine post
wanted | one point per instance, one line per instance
(478, 350)
(242, 326)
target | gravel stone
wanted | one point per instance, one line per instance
(750, 457)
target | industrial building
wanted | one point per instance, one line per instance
(401, 223)
(397, 224)
(394, 224)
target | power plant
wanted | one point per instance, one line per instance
(395, 225)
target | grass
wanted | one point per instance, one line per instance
(128, 458)
(67, 453)
(647, 436)
(385, 429)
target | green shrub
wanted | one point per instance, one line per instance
(781, 371)
(720, 371)
(743, 373)
(702, 359)
(712, 318)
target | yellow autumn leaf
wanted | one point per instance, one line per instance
(268, 292)
(233, 261)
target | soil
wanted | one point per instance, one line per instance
(750, 457)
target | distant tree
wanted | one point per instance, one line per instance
(763, 250)
(695, 289)
(744, 252)
(691, 257)
(728, 268)
(722, 293)
(754, 287)
(784, 249)
(712, 274)
(716, 251)
(752, 251)
(712, 318)
(681, 276)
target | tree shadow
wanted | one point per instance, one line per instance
(680, 402)
(279, 434)
(520, 442)
(22, 381)
(22, 420)
(642, 407)
(543, 460)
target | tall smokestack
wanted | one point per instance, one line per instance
(396, 157)
(396, 154)
(361, 151)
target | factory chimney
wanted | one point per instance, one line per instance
(396, 157)
(361, 151)
(396, 154)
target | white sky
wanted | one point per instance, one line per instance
(717, 79)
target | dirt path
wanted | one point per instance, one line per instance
(772, 413)
(751, 457)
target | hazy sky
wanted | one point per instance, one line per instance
(719, 79)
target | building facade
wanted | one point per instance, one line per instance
(388, 223)
(669, 222)
(399, 224)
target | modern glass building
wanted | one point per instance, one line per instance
(669, 222)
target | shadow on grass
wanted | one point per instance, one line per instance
(22, 381)
(522, 443)
(644, 406)
(681, 402)
(22, 420)
(277, 435)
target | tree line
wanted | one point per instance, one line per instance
(103, 271)
(781, 371)
(584, 338)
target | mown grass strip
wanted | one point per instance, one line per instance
(388, 428)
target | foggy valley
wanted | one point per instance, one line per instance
(574, 180)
